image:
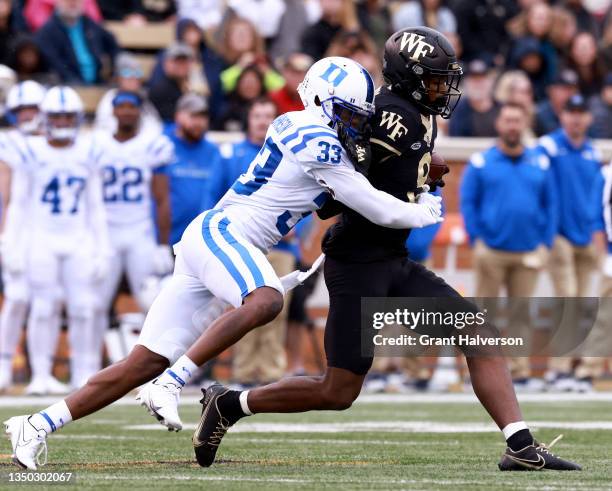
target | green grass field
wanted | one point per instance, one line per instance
(374, 445)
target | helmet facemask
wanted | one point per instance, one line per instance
(435, 91)
(352, 124)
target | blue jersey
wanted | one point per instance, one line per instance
(509, 203)
(190, 181)
(576, 172)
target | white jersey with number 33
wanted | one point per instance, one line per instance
(285, 182)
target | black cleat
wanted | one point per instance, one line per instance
(213, 425)
(535, 457)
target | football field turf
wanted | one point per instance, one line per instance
(382, 442)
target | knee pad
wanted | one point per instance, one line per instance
(81, 311)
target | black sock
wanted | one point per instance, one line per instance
(229, 404)
(520, 440)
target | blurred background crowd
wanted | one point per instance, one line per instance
(231, 66)
(533, 52)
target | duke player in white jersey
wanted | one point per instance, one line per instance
(131, 163)
(23, 103)
(58, 194)
(220, 258)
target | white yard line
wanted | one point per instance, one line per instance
(385, 426)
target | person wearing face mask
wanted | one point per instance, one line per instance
(475, 115)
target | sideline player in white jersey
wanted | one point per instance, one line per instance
(131, 161)
(23, 104)
(58, 194)
(307, 156)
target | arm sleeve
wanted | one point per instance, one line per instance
(352, 189)
(470, 193)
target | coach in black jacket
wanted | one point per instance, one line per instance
(75, 47)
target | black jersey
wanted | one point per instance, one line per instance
(402, 141)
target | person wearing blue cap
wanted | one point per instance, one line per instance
(137, 204)
(576, 166)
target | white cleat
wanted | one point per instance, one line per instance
(27, 441)
(37, 387)
(55, 387)
(161, 401)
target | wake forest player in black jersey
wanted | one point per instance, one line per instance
(364, 260)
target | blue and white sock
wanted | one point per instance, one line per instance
(180, 373)
(52, 418)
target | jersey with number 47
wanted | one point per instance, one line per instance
(57, 192)
(300, 165)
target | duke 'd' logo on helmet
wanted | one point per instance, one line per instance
(415, 46)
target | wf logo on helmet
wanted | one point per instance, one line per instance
(415, 46)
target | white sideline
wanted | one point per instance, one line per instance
(385, 426)
(467, 398)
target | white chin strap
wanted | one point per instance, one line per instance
(62, 133)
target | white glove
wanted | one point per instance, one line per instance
(429, 211)
(297, 277)
(101, 267)
(163, 260)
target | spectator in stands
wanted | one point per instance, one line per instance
(583, 59)
(534, 27)
(606, 45)
(347, 43)
(208, 64)
(430, 13)
(559, 91)
(515, 87)
(238, 38)
(129, 78)
(294, 69)
(296, 19)
(601, 108)
(198, 160)
(38, 12)
(576, 166)
(371, 62)
(11, 23)
(375, 18)
(483, 27)
(563, 30)
(584, 19)
(336, 15)
(169, 84)
(74, 46)
(250, 86)
(28, 62)
(477, 110)
(508, 203)
(528, 55)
